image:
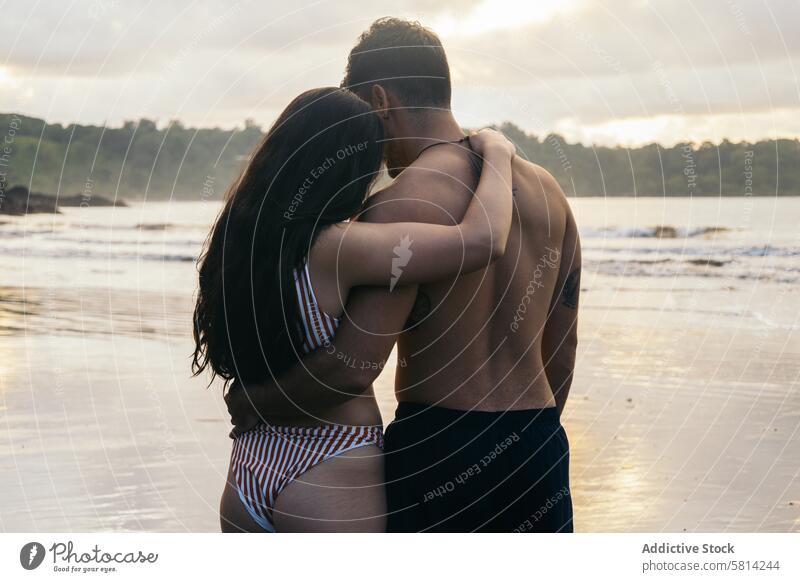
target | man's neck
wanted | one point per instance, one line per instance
(434, 127)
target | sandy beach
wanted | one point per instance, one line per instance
(684, 413)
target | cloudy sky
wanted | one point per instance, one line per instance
(617, 72)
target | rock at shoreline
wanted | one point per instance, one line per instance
(18, 201)
(92, 202)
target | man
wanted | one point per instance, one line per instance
(476, 444)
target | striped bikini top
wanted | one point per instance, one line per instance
(316, 327)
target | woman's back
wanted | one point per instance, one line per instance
(317, 325)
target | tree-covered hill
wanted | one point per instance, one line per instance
(131, 162)
(765, 168)
(139, 159)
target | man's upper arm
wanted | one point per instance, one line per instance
(570, 272)
(560, 333)
(560, 337)
(423, 194)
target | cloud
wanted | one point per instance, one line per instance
(541, 65)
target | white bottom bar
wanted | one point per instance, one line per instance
(402, 557)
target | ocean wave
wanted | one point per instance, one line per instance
(98, 236)
(99, 254)
(653, 232)
(11, 233)
(14, 226)
(702, 268)
(132, 242)
(754, 251)
(155, 226)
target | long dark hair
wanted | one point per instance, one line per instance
(313, 168)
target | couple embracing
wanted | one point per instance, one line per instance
(469, 260)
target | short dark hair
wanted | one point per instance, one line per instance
(404, 57)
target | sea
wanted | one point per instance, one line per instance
(684, 413)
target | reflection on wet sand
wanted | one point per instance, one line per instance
(684, 424)
(92, 311)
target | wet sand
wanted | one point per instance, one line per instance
(686, 418)
(680, 418)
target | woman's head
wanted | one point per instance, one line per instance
(313, 168)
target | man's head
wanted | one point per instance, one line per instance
(400, 68)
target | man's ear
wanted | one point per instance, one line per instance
(379, 100)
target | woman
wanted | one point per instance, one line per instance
(279, 264)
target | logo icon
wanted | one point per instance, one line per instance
(31, 555)
(402, 254)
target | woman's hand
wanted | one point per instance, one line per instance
(490, 141)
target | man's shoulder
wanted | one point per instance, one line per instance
(434, 189)
(539, 185)
(537, 178)
(448, 161)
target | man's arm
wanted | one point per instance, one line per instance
(560, 338)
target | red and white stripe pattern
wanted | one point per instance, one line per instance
(316, 327)
(266, 459)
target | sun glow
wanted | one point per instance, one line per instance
(669, 129)
(6, 78)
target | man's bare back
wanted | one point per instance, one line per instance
(481, 341)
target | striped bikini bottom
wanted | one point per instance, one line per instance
(266, 459)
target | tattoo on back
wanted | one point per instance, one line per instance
(572, 289)
(420, 310)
